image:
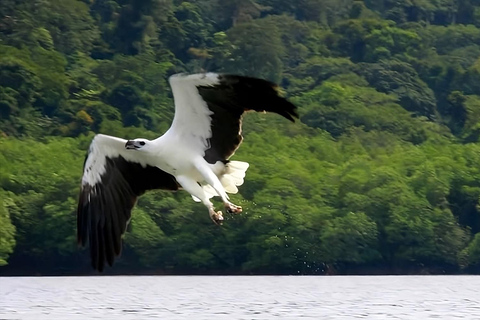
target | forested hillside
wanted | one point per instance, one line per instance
(380, 175)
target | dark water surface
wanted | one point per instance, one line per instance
(250, 297)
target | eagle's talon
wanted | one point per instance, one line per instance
(233, 209)
(216, 217)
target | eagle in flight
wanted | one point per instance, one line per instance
(192, 155)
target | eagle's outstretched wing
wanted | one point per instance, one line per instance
(112, 180)
(209, 109)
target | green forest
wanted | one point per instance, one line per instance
(380, 175)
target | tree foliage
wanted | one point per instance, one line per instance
(379, 175)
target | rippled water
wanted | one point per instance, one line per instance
(250, 297)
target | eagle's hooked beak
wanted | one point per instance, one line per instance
(130, 145)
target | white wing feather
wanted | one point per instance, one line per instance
(104, 146)
(192, 121)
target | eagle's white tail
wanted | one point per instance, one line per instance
(234, 173)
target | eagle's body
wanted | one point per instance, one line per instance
(192, 155)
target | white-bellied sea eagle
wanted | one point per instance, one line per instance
(192, 155)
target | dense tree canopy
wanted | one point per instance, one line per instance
(381, 174)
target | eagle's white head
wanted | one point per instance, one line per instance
(137, 144)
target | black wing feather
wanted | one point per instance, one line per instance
(228, 100)
(105, 208)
